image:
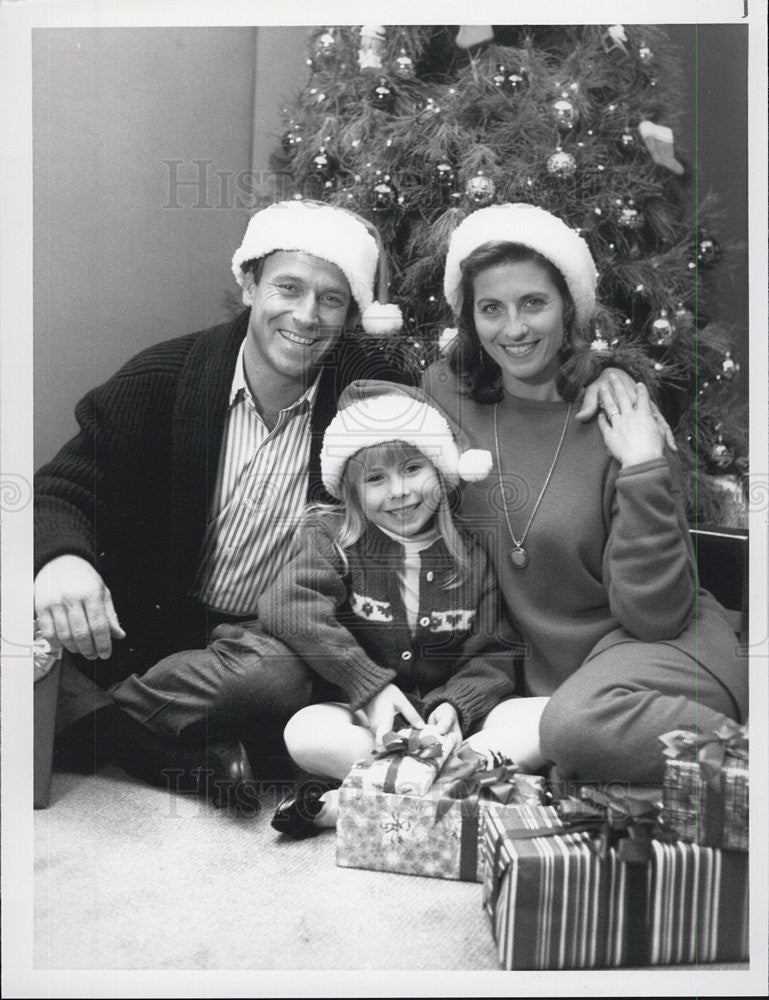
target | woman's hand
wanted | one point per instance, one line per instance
(630, 431)
(445, 719)
(382, 709)
(602, 395)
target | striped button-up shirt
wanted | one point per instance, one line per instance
(260, 494)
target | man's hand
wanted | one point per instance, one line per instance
(73, 607)
(445, 719)
(604, 394)
(382, 709)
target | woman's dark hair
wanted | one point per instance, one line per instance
(481, 376)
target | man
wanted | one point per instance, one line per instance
(177, 502)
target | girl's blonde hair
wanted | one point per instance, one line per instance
(354, 521)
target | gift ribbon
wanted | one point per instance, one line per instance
(424, 747)
(709, 751)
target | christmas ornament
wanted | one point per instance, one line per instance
(322, 164)
(324, 51)
(473, 34)
(509, 81)
(662, 332)
(292, 137)
(729, 366)
(404, 65)
(645, 55)
(381, 96)
(627, 139)
(480, 189)
(659, 140)
(561, 164)
(629, 216)
(445, 175)
(383, 197)
(499, 79)
(372, 41)
(708, 250)
(564, 114)
(684, 318)
(615, 38)
(721, 455)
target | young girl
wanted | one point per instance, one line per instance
(385, 599)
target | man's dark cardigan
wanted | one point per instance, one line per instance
(131, 491)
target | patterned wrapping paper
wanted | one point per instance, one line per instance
(705, 792)
(555, 902)
(430, 834)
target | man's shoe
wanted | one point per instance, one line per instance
(226, 779)
(296, 812)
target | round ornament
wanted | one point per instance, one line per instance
(729, 366)
(721, 455)
(629, 216)
(684, 318)
(382, 96)
(499, 79)
(445, 175)
(480, 189)
(708, 250)
(627, 139)
(564, 114)
(322, 164)
(404, 65)
(324, 51)
(662, 332)
(518, 81)
(383, 197)
(561, 164)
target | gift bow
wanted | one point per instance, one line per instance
(614, 819)
(414, 743)
(471, 777)
(709, 751)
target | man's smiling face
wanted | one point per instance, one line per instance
(298, 311)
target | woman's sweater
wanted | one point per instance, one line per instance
(349, 623)
(610, 558)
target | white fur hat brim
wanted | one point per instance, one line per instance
(324, 231)
(532, 227)
(373, 412)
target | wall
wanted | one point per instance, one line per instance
(124, 257)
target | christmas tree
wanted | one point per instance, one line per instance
(416, 126)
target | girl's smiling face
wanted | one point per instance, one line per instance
(398, 493)
(519, 316)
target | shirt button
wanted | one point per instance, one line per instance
(405, 655)
(424, 622)
(429, 576)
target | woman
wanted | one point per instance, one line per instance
(585, 522)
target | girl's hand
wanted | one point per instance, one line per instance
(603, 395)
(382, 709)
(631, 432)
(445, 719)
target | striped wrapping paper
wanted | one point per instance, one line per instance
(554, 903)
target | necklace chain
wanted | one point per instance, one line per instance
(518, 555)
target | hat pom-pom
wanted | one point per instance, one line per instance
(445, 339)
(474, 465)
(382, 320)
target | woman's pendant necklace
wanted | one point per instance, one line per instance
(518, 554)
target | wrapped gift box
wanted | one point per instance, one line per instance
(568, 900)
(706, 790)
(434, 834)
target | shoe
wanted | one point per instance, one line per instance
(296, 812)
(225, 778)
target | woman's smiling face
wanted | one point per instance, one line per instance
(519, 315)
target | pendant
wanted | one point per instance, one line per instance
(519, 558)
